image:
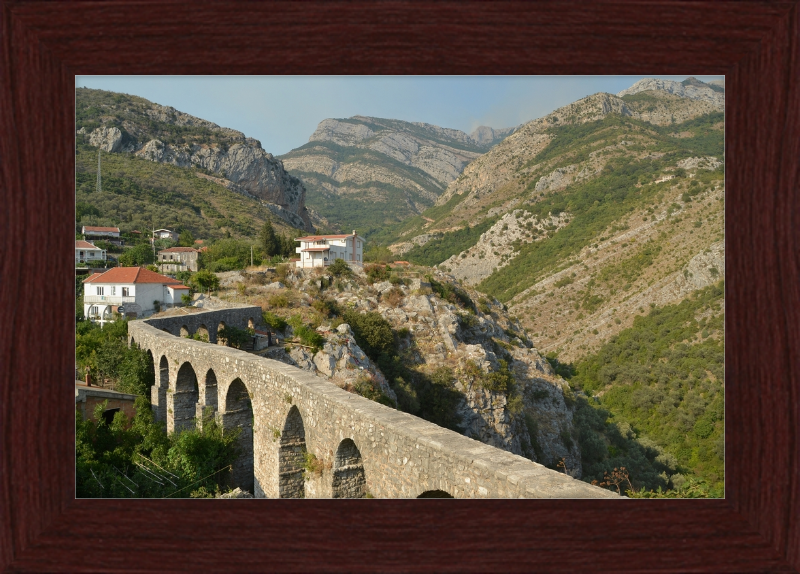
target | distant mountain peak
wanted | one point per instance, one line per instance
(690, 88)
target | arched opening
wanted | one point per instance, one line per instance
(158, 393)
(239, 414)
(435, 494)
(250, 323)
(202, 333)
(181, 402)
(184, 331)
(220, 340)
(291, 457)
(207, 403)
(348, 472)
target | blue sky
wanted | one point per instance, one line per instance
(283, 111)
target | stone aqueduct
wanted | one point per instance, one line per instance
(361, 446)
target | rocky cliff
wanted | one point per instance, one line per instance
(363, 172)
(117, 123)
(505, 393)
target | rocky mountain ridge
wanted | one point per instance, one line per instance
(364, 171)
(573, 264)
(118, 123)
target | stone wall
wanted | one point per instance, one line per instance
(293, 412)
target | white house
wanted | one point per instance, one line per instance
(165, 234)
(322, 250)
(86, 252)
(108, 233)
(136, 289)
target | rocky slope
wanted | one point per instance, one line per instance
(505, 393)
(118, 123)
(597, 211)
(362, 172)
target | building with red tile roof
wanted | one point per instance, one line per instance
(132, 291)
(87, 252)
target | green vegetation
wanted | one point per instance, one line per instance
(441, 248)
(595, 205)
(137, 459)
(662, 384)
(451, 293)
(432, 396)
(340, 268)
(110, 457)
(233, 336)
(139, 256)
(107, 355)
(274, 321)
(630, 269)
(306, 334)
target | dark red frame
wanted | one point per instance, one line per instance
(755, 44)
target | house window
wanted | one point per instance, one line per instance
(113, 290)
(126, 292)
(99, 290)
(81, 254)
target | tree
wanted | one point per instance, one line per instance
(186, 239)
(138, 256)
(204, 280)
(268, 240)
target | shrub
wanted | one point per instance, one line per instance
(274, 321)
(306, 334)
(377, 273)
(233, 336)
(204, 280)
(340, 268)
(373, 333)
(278, 300)
(393, 297)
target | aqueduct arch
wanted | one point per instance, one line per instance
(238, 414)
(348, 472)
(291, 457)
(362, 446)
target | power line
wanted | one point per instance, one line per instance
(229, 467)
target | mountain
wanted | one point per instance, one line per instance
(591, 225)
(364, 173)
(123, 124)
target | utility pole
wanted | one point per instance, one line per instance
(251, 256)
(99, 183)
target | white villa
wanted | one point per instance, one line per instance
(86, 252)
(134, 289)
(165, 234)
(322, 250)
(111, 234)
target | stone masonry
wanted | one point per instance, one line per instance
(286, 415)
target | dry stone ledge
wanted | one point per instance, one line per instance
(359, 447)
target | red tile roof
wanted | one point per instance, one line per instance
(316, 249)
(178, 250)
(178, 287)
(80, 244)
(88, 228)
(316, 237)
(131, 275)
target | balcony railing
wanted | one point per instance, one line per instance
(108, 299)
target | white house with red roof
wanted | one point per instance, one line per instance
(136, 289)
(87, 252)
(108, 233)
(322, 250)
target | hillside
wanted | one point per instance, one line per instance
(129, 125)
(363, 173)
(413, 339)
(580, 219)
(141, 195)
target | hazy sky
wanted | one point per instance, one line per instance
(283, 111)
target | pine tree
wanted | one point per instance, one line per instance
(269, 242)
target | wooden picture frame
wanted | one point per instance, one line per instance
(754, 44)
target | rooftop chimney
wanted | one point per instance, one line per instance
(354, 232)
